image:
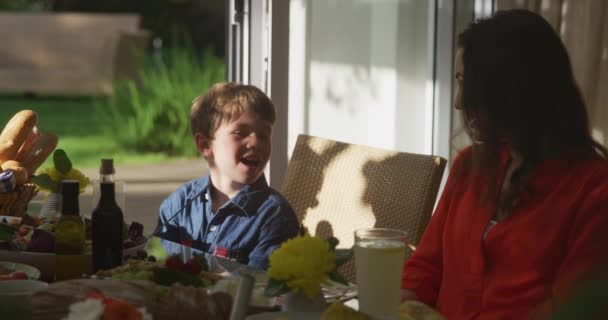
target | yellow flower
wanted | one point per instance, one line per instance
(303, 263)
(73, 174)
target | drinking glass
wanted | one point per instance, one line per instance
(379, 257)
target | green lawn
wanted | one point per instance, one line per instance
(80, 133)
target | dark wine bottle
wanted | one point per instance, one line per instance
(107, 222)
(70, 260)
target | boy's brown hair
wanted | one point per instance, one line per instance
(224, 101)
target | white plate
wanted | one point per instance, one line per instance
(334, 291)
(286, 316)
(20, 287)
(10, 220)
(32, 273)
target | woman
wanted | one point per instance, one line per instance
(524, 215)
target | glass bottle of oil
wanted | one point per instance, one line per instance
(107, 221)
(70, 235)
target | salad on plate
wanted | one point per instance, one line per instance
(17, 271)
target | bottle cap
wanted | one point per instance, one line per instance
(107, 166)
(70, 187)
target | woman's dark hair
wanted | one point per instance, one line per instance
(519, 89)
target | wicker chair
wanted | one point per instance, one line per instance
(336, 188)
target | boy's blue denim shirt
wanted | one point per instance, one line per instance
(245, 229)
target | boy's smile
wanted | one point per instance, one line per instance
(238, 152)
(251, 162)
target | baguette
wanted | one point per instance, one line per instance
(15, 132)
(27, 144)
(44, 145)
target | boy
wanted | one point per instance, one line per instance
(231, 212)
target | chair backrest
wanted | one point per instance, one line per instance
(336, 188)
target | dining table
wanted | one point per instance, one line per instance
(244, 283)
(248, 278)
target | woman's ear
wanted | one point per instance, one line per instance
(203, 145)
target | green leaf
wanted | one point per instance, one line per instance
(342, 256)
(275, 288)
(335, 276)
(44, 181)
(61, 161)
(333, 242)
(7, 232)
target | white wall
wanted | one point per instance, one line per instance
(360, 71)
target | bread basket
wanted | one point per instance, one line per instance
(14, 203)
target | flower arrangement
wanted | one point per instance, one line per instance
(303, 263)
(50, 178)
(97, 306)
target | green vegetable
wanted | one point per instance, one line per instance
(62, 163)
(134, 275)
(7, 232)
(159, 292)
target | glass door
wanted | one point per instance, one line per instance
(370, 72)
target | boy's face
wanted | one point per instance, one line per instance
(239, 150)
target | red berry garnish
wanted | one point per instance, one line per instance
(19, 275)
(193, 267)
(174, 262)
